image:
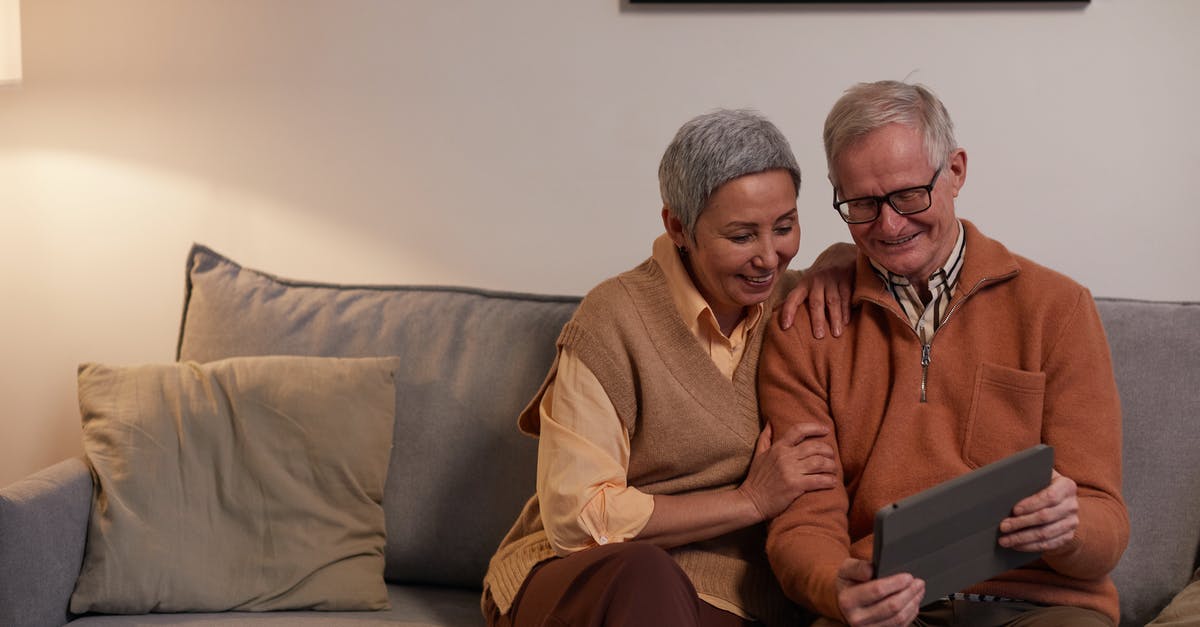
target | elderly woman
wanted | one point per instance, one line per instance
(654, 479)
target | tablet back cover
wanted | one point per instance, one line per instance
(946, 535)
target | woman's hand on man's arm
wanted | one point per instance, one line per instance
(787, 466)
(782, 469)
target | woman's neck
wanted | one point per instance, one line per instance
(727, 318)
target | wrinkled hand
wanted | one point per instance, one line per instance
(826, 287)
(892, 601)
(783, 469)
(1045, 521)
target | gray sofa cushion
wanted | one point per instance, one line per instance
(470, 360)
(1156, 355)
(412, 606)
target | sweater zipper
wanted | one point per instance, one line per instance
(927, 348)
(925, 367)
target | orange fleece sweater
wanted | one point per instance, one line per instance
(1020, 358)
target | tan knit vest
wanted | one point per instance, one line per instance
(691, 429)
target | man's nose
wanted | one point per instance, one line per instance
(890, 220)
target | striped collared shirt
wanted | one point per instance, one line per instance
(926, 317)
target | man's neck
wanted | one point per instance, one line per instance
(922, 288)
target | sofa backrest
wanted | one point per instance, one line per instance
(460, 471)
(1156, 359)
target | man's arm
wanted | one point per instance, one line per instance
(1082, 421)
(809, 540)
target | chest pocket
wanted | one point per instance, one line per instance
(1006, 413)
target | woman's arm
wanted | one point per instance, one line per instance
(781, 470)
(583, 459)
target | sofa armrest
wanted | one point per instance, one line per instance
(43, 528)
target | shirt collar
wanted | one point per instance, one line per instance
(688, 301)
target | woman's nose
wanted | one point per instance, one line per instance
(768, 255)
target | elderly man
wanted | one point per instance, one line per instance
(958, 353)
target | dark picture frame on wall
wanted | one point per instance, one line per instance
(852, 1)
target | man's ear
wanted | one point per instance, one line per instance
(674, 228)
(957, 169)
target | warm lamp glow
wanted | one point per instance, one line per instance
(10, 41)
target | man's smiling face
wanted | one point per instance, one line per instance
(892, 158)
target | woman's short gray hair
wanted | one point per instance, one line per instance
(866, 107)
(713, 149)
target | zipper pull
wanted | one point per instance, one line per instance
(925, 359)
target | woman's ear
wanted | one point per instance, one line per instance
(674, 228)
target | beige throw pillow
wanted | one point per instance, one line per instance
(245, 484)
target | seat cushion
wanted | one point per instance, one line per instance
(411, 606)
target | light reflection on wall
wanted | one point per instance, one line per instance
(92, 254)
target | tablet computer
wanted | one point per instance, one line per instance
(947, 535)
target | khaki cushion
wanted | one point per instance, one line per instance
(1184, 609)
(244, 484)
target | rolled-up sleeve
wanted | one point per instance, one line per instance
(583, 461)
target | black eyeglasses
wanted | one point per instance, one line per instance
(905, 201)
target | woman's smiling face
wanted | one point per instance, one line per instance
(745, 237)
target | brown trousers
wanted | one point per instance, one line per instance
(1000, 614)
(621, 584)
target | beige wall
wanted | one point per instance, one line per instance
(513, 145)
